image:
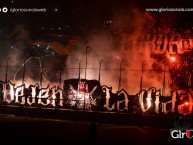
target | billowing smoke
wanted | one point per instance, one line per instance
(12, 44)
(123, 44)
(100, 48)
(15, 39)
(136, 49)
(119, 47)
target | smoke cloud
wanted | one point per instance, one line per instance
(117, 48)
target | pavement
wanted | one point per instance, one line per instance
(17, 130)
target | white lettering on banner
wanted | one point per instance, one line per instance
(32, 95)
(107, 91)
(43, 94)
(179, 100)
(125, 101)
(19, 93)
(53, 96)
(157, 101)
(160, 43)
(148, 98)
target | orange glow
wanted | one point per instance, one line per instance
(148, 103)
(186, 103)
(172, 58)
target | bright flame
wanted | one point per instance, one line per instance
(186, 103)
(172, 58)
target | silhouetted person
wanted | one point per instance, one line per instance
(1, 92)
(92, 133)
(181, 122)
(178, 121)
(186, 124)
(26, 94)
(30, 92)
(57, 101)
(37, 89)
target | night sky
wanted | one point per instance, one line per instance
(73, 15)
(77, 16)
